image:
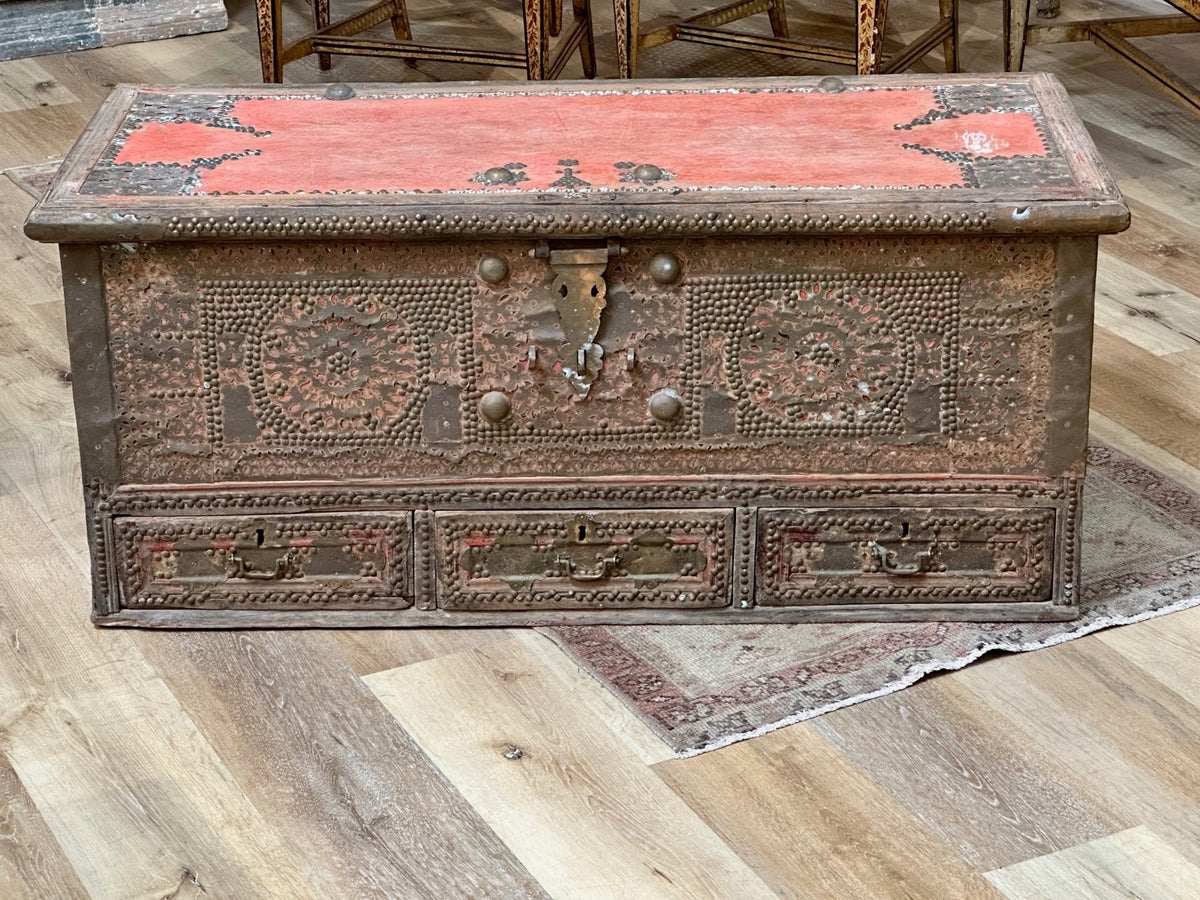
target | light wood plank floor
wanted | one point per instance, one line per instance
(384, 764)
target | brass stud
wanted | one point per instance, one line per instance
(493, 269)
(665, 405)
(499, 175)
(495, 406)
(665, 268)
(648, 174)
(339, 92)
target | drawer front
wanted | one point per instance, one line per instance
(584, 560)
(904, 555)
(276, 562)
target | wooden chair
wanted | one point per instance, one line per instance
(1109, 34)
(706, 28)
(543, 20)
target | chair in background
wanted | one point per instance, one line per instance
(1109, 34)
(543, 20)
(707, 28)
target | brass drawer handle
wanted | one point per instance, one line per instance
(566, 566)
(285, 567)
(885, 559)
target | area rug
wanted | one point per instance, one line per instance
(702, 687)
(34, 179)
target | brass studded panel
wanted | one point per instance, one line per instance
(341, 360)
(662, 559)
(313, 561)
(904, 555)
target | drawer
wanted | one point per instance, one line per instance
(904, 555)
(661, 559)
(303, 561)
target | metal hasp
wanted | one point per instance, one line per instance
(580, 295)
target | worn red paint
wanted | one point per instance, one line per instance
(734, 139)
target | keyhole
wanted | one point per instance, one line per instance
(903, 529)
(582, 532)
(259, 537)
(563, 290)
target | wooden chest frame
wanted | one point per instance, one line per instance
(366, 418)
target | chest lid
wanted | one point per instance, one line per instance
(895, 154)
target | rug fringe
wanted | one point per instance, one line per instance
(916, 673)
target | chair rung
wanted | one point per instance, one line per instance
(362, 21)
(401, 49)
(730, 13)
(1071, 32)
(918, 48)
(566, 48)
(715, 37)
(1108, 39)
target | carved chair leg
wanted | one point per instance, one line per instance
(270, 38)
(950, 47)
(536, 40)
(778, 15)
(400, 25)
(626, 15)
(1016, 22)
(872, 14)
(587, 46)
(321, 20)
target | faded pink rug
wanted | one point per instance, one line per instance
(701, 687)
(34, 179)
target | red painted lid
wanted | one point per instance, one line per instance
(903, 154)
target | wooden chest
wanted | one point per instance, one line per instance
(758, 351)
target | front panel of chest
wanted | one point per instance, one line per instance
(262, 362)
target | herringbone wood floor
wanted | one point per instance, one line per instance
(138, 764)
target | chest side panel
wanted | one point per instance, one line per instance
(393, 360)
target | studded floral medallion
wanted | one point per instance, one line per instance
(318, 364)
(801, 364)
(835, 355)
(336, 364)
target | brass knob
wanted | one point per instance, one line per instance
(499, 175)
(665, 268)
(493, 269)
(665, 405)
(495, 406)
(647, 174)
(339, 92)
(831, 84)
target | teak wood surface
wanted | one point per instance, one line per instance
(379, 763)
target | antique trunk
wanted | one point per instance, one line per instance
(758, 351)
